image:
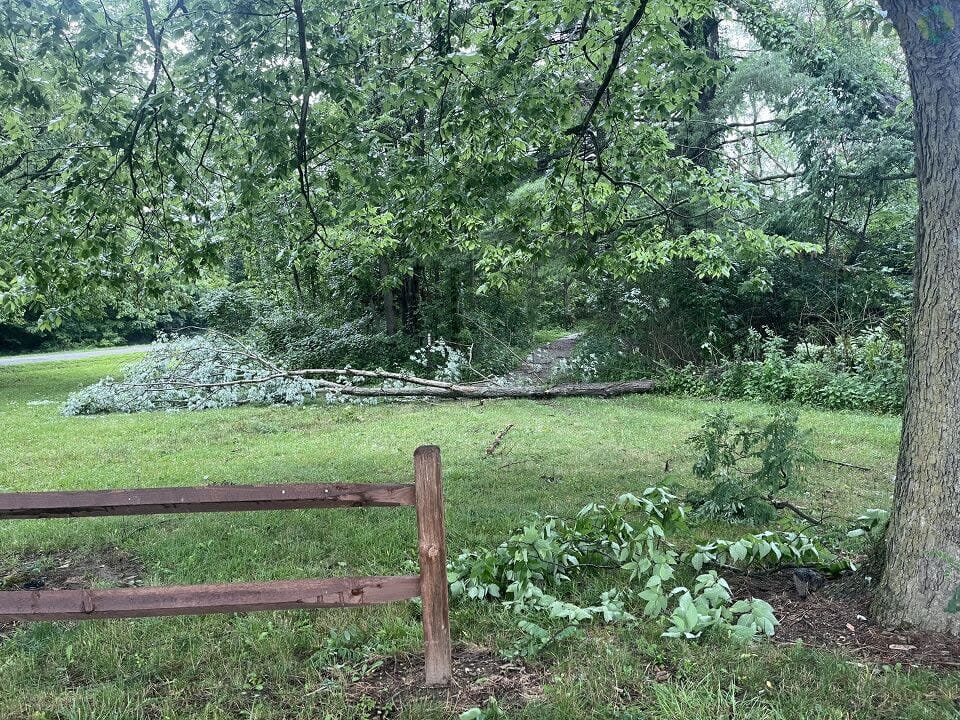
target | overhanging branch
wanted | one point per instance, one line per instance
(620, 40)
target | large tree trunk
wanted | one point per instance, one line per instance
(925, 524)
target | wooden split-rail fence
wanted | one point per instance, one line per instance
(426, 494)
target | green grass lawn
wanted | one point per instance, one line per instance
(558, 456)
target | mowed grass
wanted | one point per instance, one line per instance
(557, 457)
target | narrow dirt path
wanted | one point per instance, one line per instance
(539, 365)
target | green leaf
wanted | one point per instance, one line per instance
(954, 605)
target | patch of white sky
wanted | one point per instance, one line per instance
(744, 145)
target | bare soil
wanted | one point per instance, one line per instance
(478, 675)
(837, 617)
(68, 570)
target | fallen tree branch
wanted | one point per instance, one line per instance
(420, 387)
(533, 392)
(235, 366)
(845, 464)
(492, 448)
(787, 505)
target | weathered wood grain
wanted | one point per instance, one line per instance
(213, 498)
(433, 565)
(205, 599)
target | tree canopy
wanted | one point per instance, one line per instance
(356, 148)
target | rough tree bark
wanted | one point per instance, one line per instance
(918, 580)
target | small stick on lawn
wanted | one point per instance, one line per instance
(492, 448)
(846, 464)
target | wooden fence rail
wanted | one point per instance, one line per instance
(214, 498)
(426, 494)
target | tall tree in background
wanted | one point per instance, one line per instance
(924, 535)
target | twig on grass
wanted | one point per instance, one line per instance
(846, 464)
(492, 448)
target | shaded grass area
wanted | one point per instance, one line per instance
(557, 457)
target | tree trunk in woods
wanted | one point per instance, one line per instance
(389, 308)
(918, 580)
(698, 140)
(410, 301)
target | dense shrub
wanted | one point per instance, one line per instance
(231, 310)
(744, 467)
(610, 358)
(865, 372)
(302, 337)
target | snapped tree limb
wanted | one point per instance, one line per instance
(238, 365)
(412, 386)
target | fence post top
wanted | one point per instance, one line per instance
(427, 450)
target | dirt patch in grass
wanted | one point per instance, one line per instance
(837, 617)
(68, 570)
(478, 675)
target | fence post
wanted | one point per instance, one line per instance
(433, 564)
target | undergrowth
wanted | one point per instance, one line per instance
(862, 372)
(534, 571)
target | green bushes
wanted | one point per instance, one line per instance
(303, 336)
(745, 466)
(231, 310)
(612, 358)
(861, 372)
(299, 339)
(864, 372)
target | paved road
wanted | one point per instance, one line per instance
(75, 355)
